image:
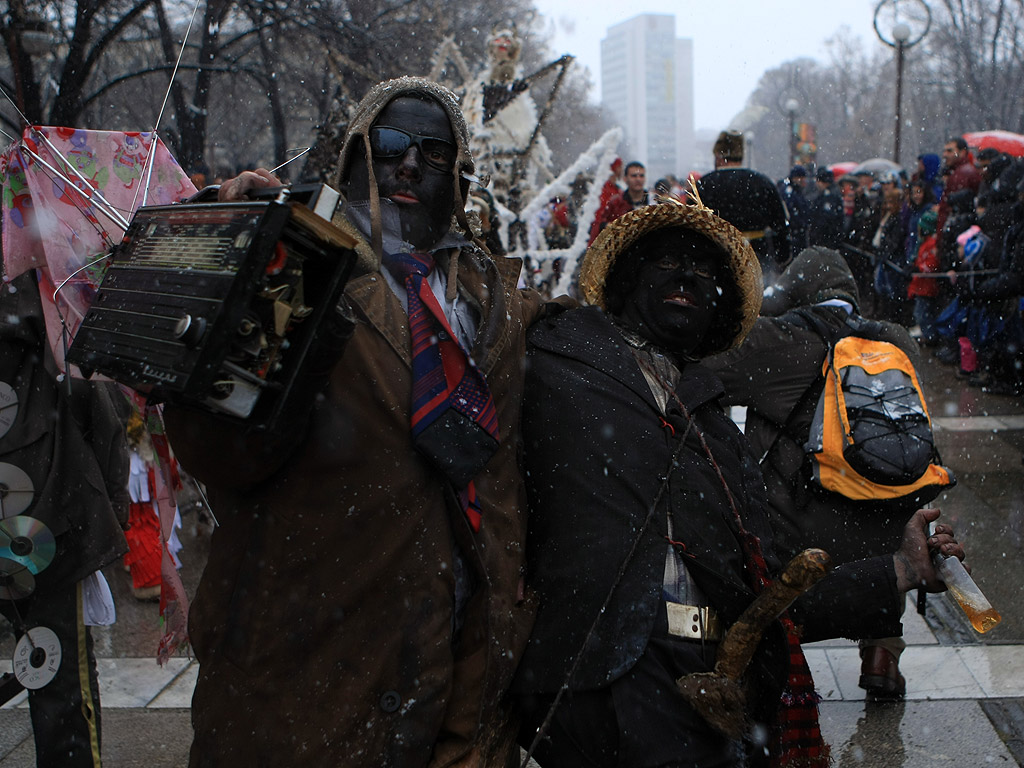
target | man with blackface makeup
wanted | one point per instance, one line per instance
(648, 533)
(363, 602)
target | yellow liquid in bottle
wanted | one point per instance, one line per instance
(983, 621)
(982, 617)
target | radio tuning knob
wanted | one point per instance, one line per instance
(189, 330)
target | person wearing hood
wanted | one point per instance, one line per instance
(997, 194)
(928, 166)
(363, 603)
(770, 374)
(648, 534)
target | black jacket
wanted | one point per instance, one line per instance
(71, 446)
(597, 452)
(772, 373)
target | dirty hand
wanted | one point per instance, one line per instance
(913, 559)
(237, 188)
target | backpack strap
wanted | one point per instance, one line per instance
(808, 320)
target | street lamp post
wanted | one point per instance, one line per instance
(27, 36)
(907, 24)
(792, 105)
(900, 33)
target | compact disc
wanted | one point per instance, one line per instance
(37, 657)
(8, 407)
(15, 490)
(28, 541)
(16, 581)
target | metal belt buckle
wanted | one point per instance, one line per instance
(692, 622)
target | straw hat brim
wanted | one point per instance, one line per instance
(618, 236)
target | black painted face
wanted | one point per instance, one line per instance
(677, 294)
(422, 192)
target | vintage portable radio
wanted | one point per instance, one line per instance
(216, 304)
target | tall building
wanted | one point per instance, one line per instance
(647, 83)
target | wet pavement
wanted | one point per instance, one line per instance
(965, 691)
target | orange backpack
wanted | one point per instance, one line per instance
(871, 435)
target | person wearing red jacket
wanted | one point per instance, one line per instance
(924, 291)
(635, 196)
(960, 172)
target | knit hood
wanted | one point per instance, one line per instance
(357, 137)
(817, 274)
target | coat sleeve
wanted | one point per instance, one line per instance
(776, 352)
(856, 600)
(104, 415)
(222, 452)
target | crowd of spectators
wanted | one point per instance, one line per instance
(940, 251)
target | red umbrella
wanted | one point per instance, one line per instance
(1004, 141)
(841, 169)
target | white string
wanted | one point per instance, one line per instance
(303, 151)
(151, 158)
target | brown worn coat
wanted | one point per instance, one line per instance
(323, 622)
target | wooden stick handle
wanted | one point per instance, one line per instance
(803, 572)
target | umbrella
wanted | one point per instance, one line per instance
(876, 166)
(68, 194)
(1004, 141)
(841, 169)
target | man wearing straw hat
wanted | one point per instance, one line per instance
(648, 536)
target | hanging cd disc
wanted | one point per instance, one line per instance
(8, 407)
(16, 581)
(37, 657)
(28, 541)
(15, 490)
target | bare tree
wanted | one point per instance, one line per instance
(978, 48)
(254, 76)
(966, 74)
(53, 48)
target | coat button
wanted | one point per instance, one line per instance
(390, 701)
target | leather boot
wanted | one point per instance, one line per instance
(880, 673)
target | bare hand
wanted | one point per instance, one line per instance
(237, 188)
(913, 560)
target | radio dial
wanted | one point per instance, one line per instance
(189, 330)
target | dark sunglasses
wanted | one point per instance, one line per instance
(394, 142)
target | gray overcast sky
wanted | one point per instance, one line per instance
(734, 41)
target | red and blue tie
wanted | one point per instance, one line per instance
(454, 422)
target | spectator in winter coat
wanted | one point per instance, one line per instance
(792, 190)
(826, 212)
(996, 335)
(860, 222)
(928, 167)
(773, 373)
(962, 216)
(635, 196)
(924, 291)
(919, 200)
(997, 194)
(891, 264)
(960, 173)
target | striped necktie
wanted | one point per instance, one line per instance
(454, 422)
